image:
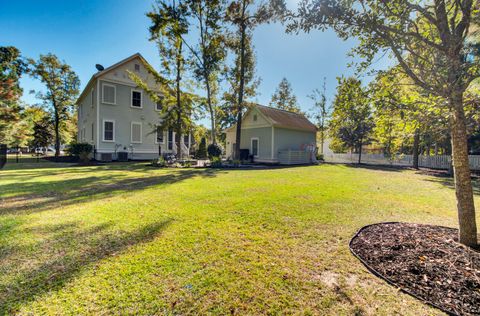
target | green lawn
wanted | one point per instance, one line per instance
(129, 239)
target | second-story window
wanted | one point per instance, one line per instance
(136, 99)
(109, 94)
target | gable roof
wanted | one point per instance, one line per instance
(286, 119)
(100, 73)
(282, 118)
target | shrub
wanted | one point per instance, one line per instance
(160, 162)
(320, 157)
(82, 151)
(214, 150)
(202, 149)
(216, 162)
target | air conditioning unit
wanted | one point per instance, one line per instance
(122, 156)
(106, 157)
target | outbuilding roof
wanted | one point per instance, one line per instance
(286, 119)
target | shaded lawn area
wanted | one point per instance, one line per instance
(129, 239)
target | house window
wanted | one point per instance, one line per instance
(159, 135)
(92, 130)
(186, 140)
(109, 94)
(254, 147)
(255, 117)
(159, 104)
(108, 131)
(92, 98)
(136, 99)
(136, 132)
(137, 67)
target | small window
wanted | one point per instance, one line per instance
(93, 129)
(92, 98)
(136, 132)
(159, 104)
(137, 67)
(159, 135)
(255, 147)
(109, 94)
(136, 99)
(255, 117)
(108, 131)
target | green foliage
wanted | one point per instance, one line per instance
(352, 122)
(320, 112)
(284, 98)
(214, 151)
(62, 88)
(202, 149)
(169, 25)
(76, 149)
(216, 162)
(42, 133)
(209, 52)
(159, 162)
(12, 67)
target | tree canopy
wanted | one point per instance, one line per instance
(284, 98)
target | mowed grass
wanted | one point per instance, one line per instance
(130, 239)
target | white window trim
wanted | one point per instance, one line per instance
(103, 131)
(164, 137)
(91, 98)
(131, 132)
(251, 145)
(114, 93)
(141, 99)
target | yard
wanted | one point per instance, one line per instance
(129, 239)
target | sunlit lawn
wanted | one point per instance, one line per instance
(129, 239)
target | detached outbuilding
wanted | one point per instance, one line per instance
(275, 136)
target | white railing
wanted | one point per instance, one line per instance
(434, 162)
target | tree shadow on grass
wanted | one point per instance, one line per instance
(449, 182)
(67, 250)
(371, 167)
(33, 197)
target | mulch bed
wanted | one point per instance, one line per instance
(424, 261)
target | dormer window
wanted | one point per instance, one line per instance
(137, 67)
(136, 100)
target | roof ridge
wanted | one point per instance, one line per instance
(277, 109)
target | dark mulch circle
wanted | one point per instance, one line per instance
(424, 261)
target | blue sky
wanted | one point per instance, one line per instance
(84, 33)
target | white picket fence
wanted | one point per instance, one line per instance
(433, 162)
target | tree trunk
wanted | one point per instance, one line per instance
(210, 108)
(57, 134)
(360, 153)
(461, 170)
(322, 140)
(179, 101)
(240, 90)
(416, 141)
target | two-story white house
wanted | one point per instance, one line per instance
(117, 117)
